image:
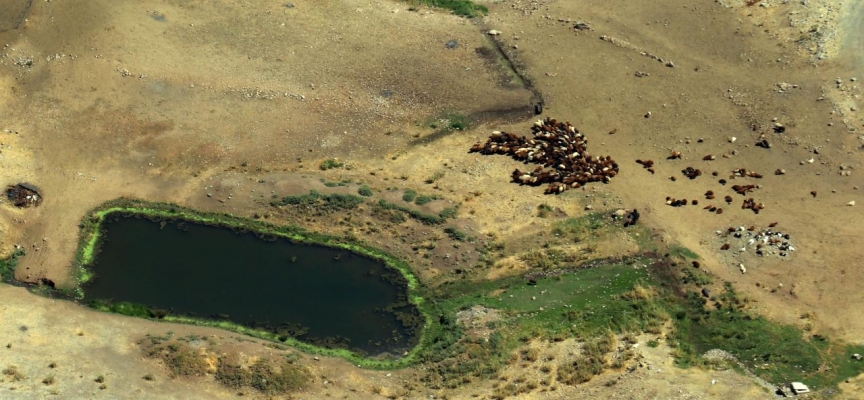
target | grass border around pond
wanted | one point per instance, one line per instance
(91, 231)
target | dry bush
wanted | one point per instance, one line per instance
(181, 358)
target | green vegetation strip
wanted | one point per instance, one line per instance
(464, 8)
(91, 231)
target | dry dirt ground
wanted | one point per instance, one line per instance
(178, 100)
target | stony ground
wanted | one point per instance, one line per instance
(175, 100)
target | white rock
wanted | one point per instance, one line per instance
(494, 32)
(851, 203)
(732, 139)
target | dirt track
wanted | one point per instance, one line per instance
(170, 101)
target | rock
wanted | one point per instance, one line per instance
(451, 44)
(851, 203)
(493, 32)
(779, 128)
(856, 357)
(589, 207)
(670, 64)
(581, 26)
(732, 139)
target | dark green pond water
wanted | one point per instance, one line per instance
(319, 295)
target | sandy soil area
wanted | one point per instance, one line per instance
(175, 100)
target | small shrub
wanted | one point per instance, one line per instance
(458, 122)
(448, 212)
(455, 234)
(330, 164)
(181, 358)
(148, 377)
(409, 195)
(365, 191)
(13, 373)
(422, 200)
(436, 176)
(530, 355)
(335, 184)
(543, 210)
(100, 379)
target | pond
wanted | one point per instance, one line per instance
(319, 295)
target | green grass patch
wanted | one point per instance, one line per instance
(7, 266)
(586, 227)
(775, 352)
(463, 8)
(694, 276)
(682, 252)
(459, 122)
(124, 308)
(586, 304)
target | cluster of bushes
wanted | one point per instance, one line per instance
(590, 363)
(426, 219)
(322, 202)
(266, 375)
(272, 376)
